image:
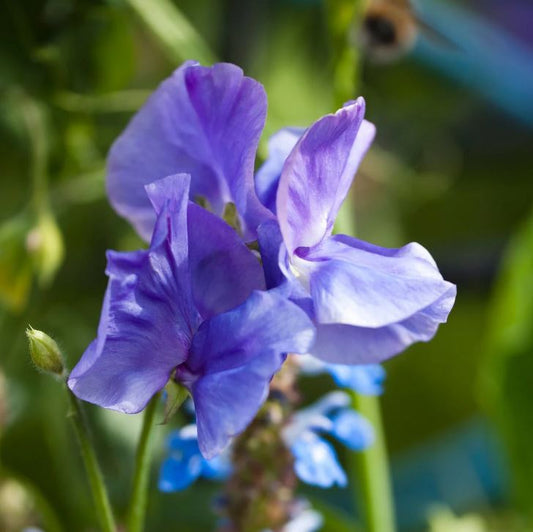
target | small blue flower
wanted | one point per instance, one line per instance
(365, 379)
(315, 460)
(352, 429)
(185, 462)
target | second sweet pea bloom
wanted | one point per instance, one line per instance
(368, 303)
(190, 308)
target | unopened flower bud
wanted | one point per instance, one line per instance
(45, 352)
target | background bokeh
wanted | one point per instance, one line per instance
(451, 168)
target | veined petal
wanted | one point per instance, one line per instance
(267, 177)
(318, 173)
(204, 121)
(346, 344)
(233, 358)
(148, 316)
(224, 271)
(353, 283)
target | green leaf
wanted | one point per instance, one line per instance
(507, 373)
(174, 32)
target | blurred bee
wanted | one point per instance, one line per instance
(390, 29)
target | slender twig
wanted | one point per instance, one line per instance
(96, 479)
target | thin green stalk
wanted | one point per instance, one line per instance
(371, 469)
(139, 497)
(96, 479)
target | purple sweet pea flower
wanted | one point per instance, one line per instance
(203, 121)
(190, 307)
(368, 303)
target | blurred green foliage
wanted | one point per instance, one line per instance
(507, 379)
(446, 171)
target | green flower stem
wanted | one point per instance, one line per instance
(96, 479)
(371, 472)
(139, 496)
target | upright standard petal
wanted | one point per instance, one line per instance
(204, 121)
(233, 358)
(148, 316)
(318, 174)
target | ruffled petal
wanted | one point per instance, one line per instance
(267, 177)
(205, 121)
(233, 358)
(224, 271)
(148, 315)
(346, 344)
(367, 286)
(318, 174)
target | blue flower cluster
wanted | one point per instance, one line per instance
(315, 460)
(198, 306)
